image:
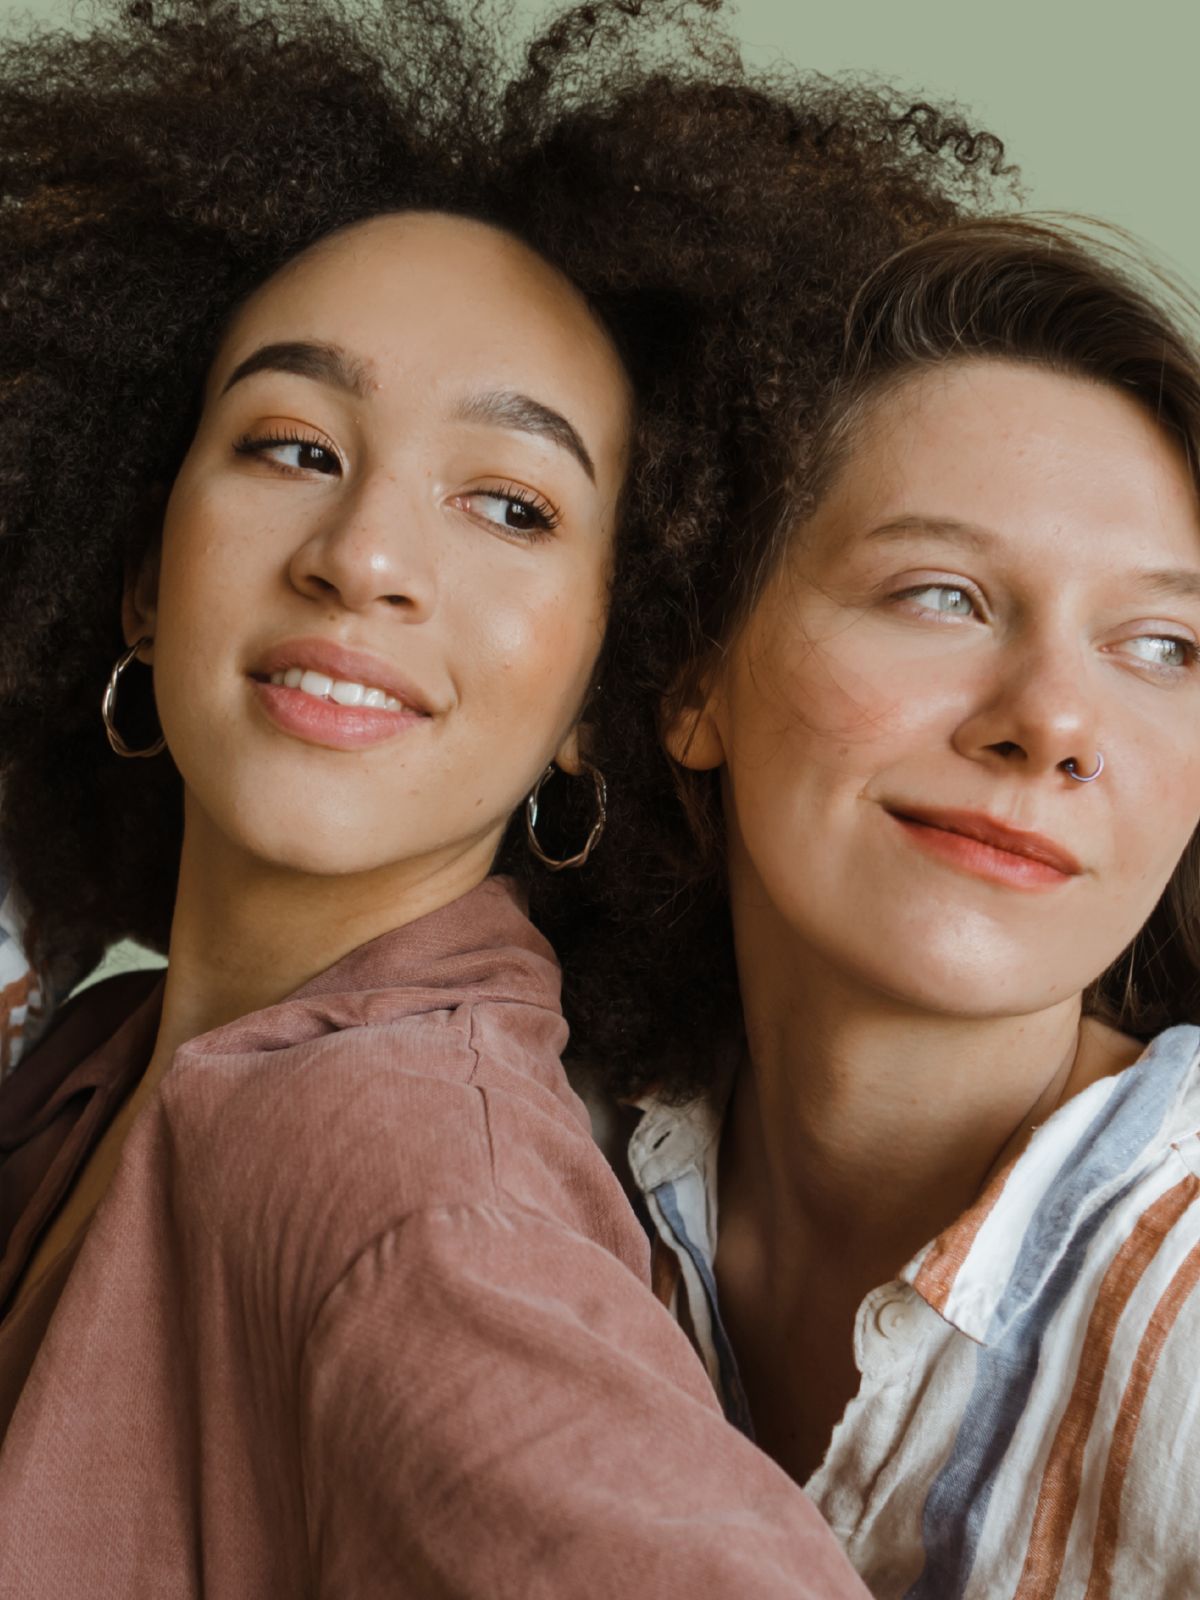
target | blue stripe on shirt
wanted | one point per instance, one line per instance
(957, 1504)
(737, 1408)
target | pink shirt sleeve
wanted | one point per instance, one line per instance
(494, 1408)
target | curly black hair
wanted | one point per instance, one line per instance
(761, 208)
(167, 156)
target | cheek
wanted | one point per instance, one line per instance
(1153, 770)
(1151, 833)
(214, 581)
(537, 644)
(831, 707)
(206, 568)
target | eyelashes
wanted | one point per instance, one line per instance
(1165, 654)
(963, 601)
(523, 512)
(260, 445)
(518, 511)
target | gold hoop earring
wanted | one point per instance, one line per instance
(593, 838)
(108, 705)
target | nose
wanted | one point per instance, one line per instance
(1039, 712)
(374, 548)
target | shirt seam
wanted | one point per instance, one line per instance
(203, 1213)
(445, 1208)
(471, 1084)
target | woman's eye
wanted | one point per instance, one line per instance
(293, 452)
(942, 598)
(1163, 650)
(516, 511)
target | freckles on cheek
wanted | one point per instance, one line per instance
(811, 696)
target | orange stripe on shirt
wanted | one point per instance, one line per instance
(950, 1249)
(1063, 1474)
(1155, 1337)
(12, 995)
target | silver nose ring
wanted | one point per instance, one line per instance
(1070, 767)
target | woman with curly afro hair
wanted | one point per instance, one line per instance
(362, 392)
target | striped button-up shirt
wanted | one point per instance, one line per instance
(28, 995)
(1028, 1418)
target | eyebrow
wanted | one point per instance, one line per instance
(965, 533)
(1173, 583)
(502, 408)
(323, 362)
(506, 408)
(1168, 583)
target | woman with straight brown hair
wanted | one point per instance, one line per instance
(922, 1149)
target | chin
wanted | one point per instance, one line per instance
(972, 982)
(318, 840)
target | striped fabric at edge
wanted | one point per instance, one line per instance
(958, 1501)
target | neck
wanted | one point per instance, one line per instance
(863, 1126)
(246, 933)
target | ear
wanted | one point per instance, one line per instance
(691, 728)
(570, 753)
(139, 602)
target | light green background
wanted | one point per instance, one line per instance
(1098, 105)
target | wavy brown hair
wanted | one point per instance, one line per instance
(1045, 293)
(163, 160)
(1086, 306)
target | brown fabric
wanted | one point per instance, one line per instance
(55, 1107)
(364, 1312)
(25, 1326)
(53, 1113)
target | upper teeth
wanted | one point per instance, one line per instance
(337, 689)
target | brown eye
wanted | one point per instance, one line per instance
(515, 511)
(313, 458)
(293, 452)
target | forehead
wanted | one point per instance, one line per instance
(437, 298)
(1038, 457)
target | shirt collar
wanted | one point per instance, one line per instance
(1080, 1159)
(990, 1265)
(481, 946)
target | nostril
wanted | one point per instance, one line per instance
(1008, 748)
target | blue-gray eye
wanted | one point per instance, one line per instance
(1162, 650)
(946, 599)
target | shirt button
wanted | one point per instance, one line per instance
(897, 1320)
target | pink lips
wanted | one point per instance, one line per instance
(986, 848)
(324, 722)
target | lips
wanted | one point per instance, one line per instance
(341, 664)
(996, 836)
(329, 695)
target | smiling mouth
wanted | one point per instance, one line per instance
(335, 713)
(988, 849)
(341, 691)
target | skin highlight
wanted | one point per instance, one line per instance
(1004, 576)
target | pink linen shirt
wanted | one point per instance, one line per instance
(364, 1312)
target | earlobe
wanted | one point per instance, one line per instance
(139, 603)
(692, 738)
(569, 756)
